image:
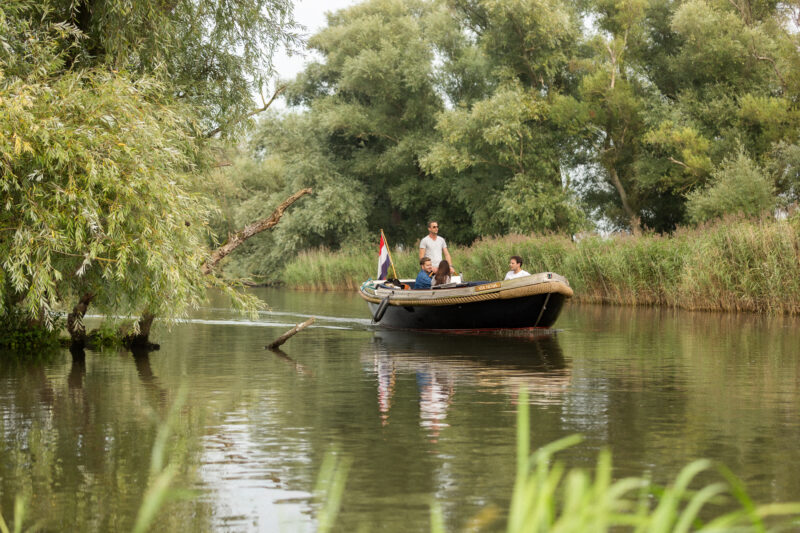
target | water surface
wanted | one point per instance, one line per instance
(423, 417)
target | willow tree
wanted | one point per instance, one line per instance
(107, 107)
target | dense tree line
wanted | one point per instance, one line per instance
(120, 122)
(528, 116)
(112, 115)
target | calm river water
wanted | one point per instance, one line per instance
(424, 417)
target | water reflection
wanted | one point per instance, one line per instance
(157, 394)
(439, 362)
(77, 442)
(426, 416)
(78, 369)
(300, 368)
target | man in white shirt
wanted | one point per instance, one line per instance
(515, 264)
(434, 247)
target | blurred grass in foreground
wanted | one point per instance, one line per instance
(546, 496)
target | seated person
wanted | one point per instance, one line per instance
(424, 277)
(515, 264)
(442, 275)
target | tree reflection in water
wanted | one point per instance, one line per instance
(60, 429)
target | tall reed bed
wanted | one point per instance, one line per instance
(343, 269)
(736, 264)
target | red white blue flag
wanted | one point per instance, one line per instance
(383, 258)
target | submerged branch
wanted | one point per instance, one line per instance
(289, 334)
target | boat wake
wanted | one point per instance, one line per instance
(272, 319)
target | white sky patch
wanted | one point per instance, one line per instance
(311, 14)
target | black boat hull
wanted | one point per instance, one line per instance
(535, 311)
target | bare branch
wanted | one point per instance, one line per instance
(261, 109)
(774, 68)
(681, 163)
(286, 336)
(235, 240)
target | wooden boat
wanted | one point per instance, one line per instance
(533, 301)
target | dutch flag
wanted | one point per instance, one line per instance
(383, 259)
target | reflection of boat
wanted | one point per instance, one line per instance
(535, 362)
(530, 353)
(528, 302)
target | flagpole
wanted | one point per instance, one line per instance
(389, 253)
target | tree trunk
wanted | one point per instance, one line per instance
(141, 340)
(75, 326)
(235, 240)
(636, 226)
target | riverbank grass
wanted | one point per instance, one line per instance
(735, 264)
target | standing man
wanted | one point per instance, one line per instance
(434, 246)
(515, 264)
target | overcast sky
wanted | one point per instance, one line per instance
(311, 14)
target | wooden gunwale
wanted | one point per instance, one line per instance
(542, 283)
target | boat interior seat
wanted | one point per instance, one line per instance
(394, 285)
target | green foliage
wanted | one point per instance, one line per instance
(492, 116)
(284, 156)
(716, 45)
(512, 117)
(499, 148)
(528, 41)
(547, 497)
(739, 187)
(102, 154)
(783, 166)
(372, 104)
(103, 183)
(20, 336)
(529, 206)
(108, 334)
(214, 55)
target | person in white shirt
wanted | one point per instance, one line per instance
(434, 247)
(515, 264)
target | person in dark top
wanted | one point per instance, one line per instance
(424, 277)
